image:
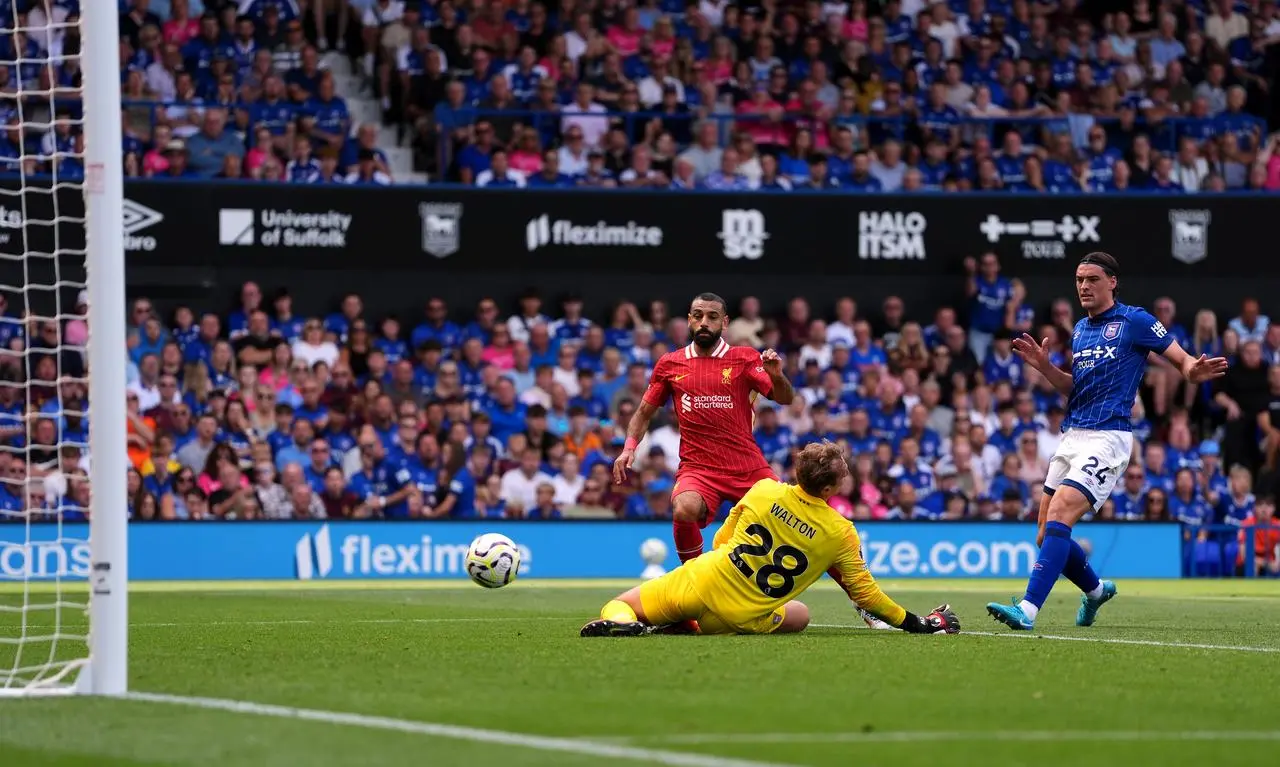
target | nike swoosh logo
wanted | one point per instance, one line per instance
(681, 378)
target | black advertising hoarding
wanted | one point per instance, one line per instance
(195, 231)
(452, 229)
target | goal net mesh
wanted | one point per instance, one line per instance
(44, 451)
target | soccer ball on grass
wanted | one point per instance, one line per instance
(493, 560)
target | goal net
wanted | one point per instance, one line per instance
(63, 510)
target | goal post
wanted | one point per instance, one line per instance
(104, 275)
(63, 599)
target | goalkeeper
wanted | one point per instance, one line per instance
(777, 542)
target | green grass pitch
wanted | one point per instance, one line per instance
(1175, 673)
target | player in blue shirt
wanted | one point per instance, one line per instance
(1109, 351)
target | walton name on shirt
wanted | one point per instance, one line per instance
(791, 520)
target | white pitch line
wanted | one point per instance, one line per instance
(311, 622)
(1097, 640)
(457, 732)
(939, 736)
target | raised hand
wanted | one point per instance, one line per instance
(1034, 354)
(1207, 368)
(771, 361)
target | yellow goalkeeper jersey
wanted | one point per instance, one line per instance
(775, 544)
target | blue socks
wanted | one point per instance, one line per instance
(1078, 571)
(1054, 554)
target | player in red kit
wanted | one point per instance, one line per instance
(714, 386)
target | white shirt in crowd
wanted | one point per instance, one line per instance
(325, 351)
(521, 490)
(379, 14)
(148, 396)
(650, 90)
(568, 379)
(838, 332)
(518, 326)
(821, 353)
(594, 123)
(567, 491)
(666, 438)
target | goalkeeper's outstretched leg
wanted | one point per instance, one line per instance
(625, 616)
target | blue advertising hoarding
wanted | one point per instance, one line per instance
(380, 550)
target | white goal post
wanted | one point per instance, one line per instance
(63, 600)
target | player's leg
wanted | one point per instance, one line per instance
(666, 601)
(791, 618)
(795, 618)
(691, 498)
(1084, 486)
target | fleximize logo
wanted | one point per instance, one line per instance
(317, 556)
(542, 231)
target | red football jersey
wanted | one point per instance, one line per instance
(715, 405)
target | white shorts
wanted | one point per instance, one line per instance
(1091, 462)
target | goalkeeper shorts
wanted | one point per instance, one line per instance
(672, 599)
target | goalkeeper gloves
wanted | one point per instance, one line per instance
(942, 620)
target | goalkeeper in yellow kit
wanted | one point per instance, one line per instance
(777, 542)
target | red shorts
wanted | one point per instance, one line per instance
(716, 488)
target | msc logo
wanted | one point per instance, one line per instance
(743, 233)
(726, 376)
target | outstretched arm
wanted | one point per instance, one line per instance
(636, 430)
(1036, 355)
(1195, 369)
(850, 571)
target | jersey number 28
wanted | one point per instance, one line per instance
(776, 567)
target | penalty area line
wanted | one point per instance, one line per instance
(1094, 640)
(455, 732)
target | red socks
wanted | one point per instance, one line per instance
(688, 540)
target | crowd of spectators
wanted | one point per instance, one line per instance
(262, 413)
(900, 95)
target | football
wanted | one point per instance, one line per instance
(493, 560)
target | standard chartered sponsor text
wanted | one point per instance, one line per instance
(902, 558)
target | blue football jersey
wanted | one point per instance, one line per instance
(1108, 360)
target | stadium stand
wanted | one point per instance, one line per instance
(760, 94)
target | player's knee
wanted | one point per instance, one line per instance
(1068, 505)
(632, 599)
(688, 507)
(795, 618)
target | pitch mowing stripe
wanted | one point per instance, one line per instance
(1096, 640)
(456, 732)
(934, 736)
